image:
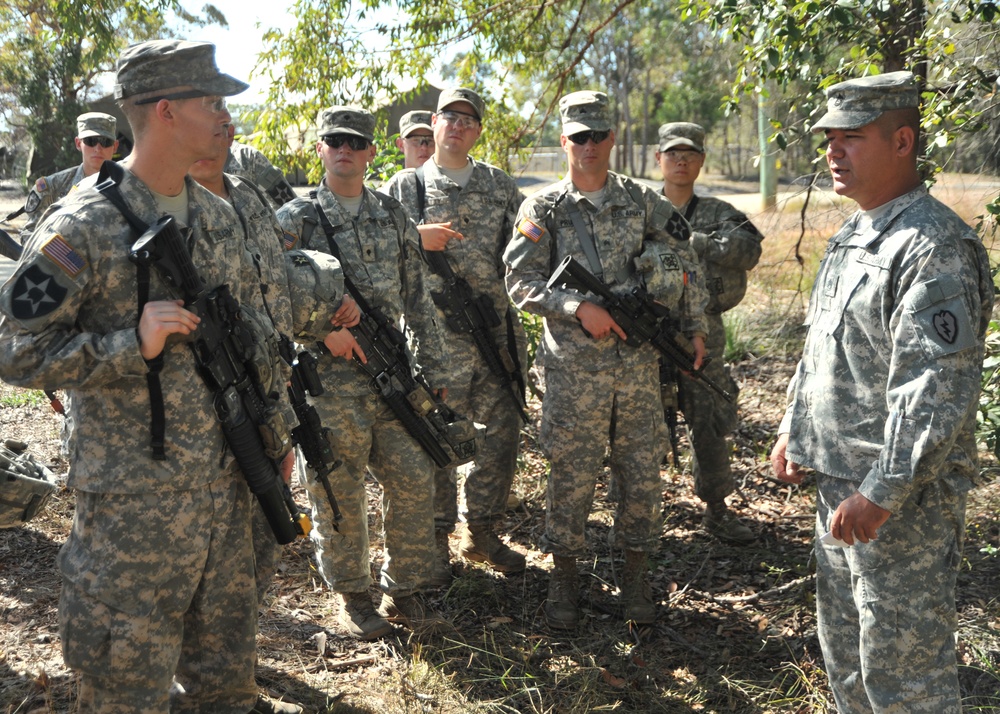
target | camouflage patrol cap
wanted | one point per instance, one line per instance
(462, 94)
(682, 133)
(163, 64)
(316, 287)
(857, 102)
(96, 124)
(411, 121)
(584, 111)
(346, 120)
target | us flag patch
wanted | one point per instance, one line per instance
(530, 230)
(62, 254)
(290, 240)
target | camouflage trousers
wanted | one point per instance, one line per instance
(475, 393)
(157, 587)
(266, 551)
(581, 413)
(886, 609)
(710, 419)
(369, 438)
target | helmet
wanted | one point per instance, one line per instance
(316, 286)
(25, 485)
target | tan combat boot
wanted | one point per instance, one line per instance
(637, 595)
(561, 609)
(720, 522)
(441, 575)
(415, 613)
(359, 618)
(481, 545)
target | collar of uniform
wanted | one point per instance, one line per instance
(873, 230)
(336, 213)
(433, 172)
(615, 193)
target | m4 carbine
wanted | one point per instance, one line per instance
(642, 318)
(224, 347)
(476, 316)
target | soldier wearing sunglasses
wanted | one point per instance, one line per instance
(598, 389)
(416, 138)
(96, 142)
(378, 247)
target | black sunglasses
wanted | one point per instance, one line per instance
(95, 140)
(357, 143)
(582, 137)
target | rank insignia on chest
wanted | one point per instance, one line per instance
(530, 230)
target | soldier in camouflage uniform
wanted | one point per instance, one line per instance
(96, 142)
(467, 210)
(157, 610)
(416, 138)
(597, 387)
(380, 253)
(265, 234)
(728, 245)
(250, 164)
(883, 407)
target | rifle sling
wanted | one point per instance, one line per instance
(109, 185)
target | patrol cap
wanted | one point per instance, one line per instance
(346, 120)
(162, 64)
(411, 121)
(857, 102)
(682, 133)
(584, 111)
(462, 94)
(96, 124)
(316, 288)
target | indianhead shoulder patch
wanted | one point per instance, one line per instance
(35, 294)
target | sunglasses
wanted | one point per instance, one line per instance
(356, 143)
(95, 140)
(459, 119)
(210, 102)
(420, 140)
(582, 137)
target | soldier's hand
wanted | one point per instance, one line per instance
(857, 517)
(341, 343)
(435, 236)
(348, 314)
(159, 320)
(597, 322)
(286, 466)
(784, 470)
(698, 343)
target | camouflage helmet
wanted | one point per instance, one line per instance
(316, 285)
(25, 485)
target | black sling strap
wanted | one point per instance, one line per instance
(689, 211)
(108, 184)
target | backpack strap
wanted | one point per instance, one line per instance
(109, 185)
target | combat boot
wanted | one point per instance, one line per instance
(441, 574)
(359, 618)
(481, 545)
(415, 613)
(637, 595)
(720, 522)
(561, 609)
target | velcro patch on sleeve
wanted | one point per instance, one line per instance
(36, 293)
(290, 240)
(62, 254)
(530, 230)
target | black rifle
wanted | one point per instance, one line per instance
(223, 347)
(311, 436)
(9, 248)
(476, 316)
(427, 418)
(641, 317)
